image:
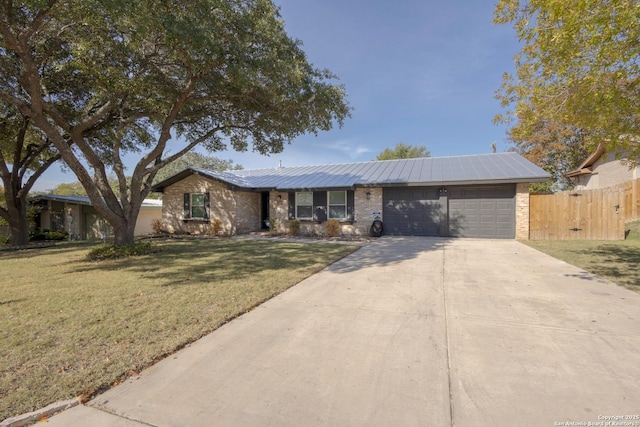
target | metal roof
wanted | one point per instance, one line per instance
(84, 200)
(430, 171)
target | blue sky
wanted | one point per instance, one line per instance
(419, 72)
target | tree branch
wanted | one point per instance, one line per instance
(38, 172)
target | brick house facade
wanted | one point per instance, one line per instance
(237, 211)
(484, 196)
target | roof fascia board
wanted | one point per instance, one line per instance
(59, 198)
(452, 183)
(160, 187)
(584, 168)
(294, 189)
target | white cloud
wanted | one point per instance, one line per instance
(354, 150)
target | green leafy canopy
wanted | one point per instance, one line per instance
(403, 151)
(579, 67)
(106, 78)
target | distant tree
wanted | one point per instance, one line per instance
(107, 78)
(68, 189)
(578, 67)
(25, 154)
(196, 160)
(556, 148)
(403, 151)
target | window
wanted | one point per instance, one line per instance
(304, 205)
(337, 204)
(321, 205)
(196, 205)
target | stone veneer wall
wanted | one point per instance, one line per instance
(279, 210)
(363, 209)
(239, 211)
(522, 211)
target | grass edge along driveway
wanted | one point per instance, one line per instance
(615, 260)
(71, 327)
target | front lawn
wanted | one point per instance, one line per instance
(71, 327)
(618, 261)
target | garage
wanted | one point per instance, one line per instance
(413, 211)
(475, 211)
(482, 212)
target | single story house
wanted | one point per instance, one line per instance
(78, 217)
(467, 196)
(603, 169)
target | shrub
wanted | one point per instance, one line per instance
(105, 252)
(48, 235)
(216, 227)
(157, 226)
(56, 235)
(312, 233)
(294, 227)
(332, 228)
(272, 223)
(4, 235)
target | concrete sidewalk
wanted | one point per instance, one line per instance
(406, 331)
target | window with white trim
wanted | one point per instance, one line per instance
(304, 205)
(337, 204)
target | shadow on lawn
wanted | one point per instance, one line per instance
(58, 247)
(191, 262)
(620, 264)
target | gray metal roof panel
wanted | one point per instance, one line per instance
(483, 168)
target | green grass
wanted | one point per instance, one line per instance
(71, 327)
(618, 261)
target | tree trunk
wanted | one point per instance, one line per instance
(18, 221)
(19, 234)
(124, 231)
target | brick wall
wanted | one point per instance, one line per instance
(247, 212)
(522, 211)
(363, 208)
(238, 211)
(279, 209)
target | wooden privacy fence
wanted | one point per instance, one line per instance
(584, 214)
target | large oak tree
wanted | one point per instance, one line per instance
(107, 78)
(25, 154)
(579, 67)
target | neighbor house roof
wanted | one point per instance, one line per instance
(586, 167)
(430, 171)
(84, 200)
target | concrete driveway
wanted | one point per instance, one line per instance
(405, 332)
